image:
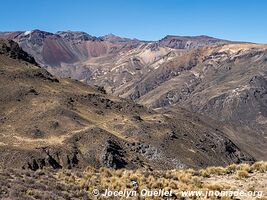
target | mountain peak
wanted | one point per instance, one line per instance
(110, 36)
(76, 35)
(197, 37)
(189, 42)
(39, 32)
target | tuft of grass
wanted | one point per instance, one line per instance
(213, 186)
(204, 173)
(231, 168)
(213, 171)
(216, 170)
(240, 174)
(260, 166)
(244, 167)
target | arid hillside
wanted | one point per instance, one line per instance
(63, 123)
(232, 182)
(226, 83)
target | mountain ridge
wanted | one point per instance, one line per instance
(76, 125)
(216, 78)
(114, 35)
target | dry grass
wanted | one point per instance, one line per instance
(242, 174)
(75, 184)
(175, 180)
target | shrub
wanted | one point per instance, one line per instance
(260, 166)
(244, 167)
(241, 174)
(204, 173)
(216, 170)
(231, 168)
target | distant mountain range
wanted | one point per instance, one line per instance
(209, 91)
(68, 47)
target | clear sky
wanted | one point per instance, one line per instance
(240, 20)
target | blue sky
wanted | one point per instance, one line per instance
(143, 19)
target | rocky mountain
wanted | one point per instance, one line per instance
(223, 80)
(227, 83)
(66, 47)
(63, 123)
(109, 61)
(189, 42)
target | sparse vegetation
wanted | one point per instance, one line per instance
(75, 184)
